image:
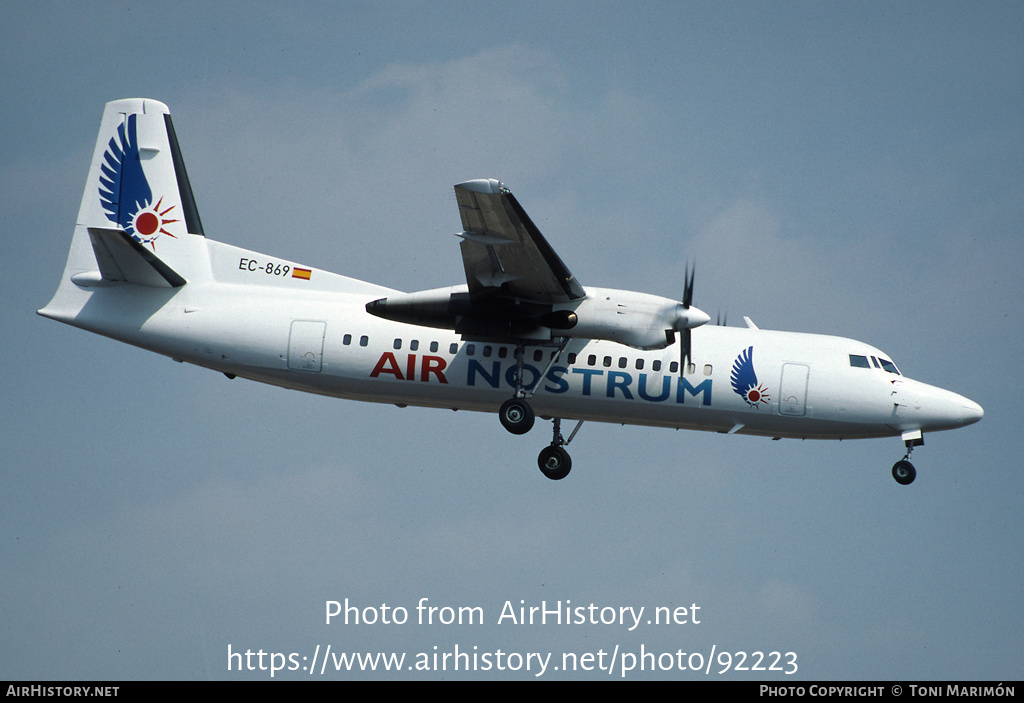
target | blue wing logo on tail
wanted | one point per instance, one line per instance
(744, 380)
(124, 190)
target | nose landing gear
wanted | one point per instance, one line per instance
(903, 471)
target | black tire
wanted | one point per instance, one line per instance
(904, 472)
(516, 416)
(554, 462)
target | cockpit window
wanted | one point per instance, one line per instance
(861, 362)
(889, 366)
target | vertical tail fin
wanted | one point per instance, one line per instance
(138, 222)
(138, 185)
(137, 180)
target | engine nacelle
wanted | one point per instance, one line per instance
(635, 319)
(439, 307)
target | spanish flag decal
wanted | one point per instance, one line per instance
(304, 274)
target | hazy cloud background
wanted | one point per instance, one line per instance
(851, 169)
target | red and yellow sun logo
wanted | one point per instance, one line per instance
(149, 223)
(757, 395)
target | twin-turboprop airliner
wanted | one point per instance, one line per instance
(521, 337)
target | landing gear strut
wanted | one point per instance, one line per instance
(518, 417)
(515, 414)
(903, 471)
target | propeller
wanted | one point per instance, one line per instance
(687, 318)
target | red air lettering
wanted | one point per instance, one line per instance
(387, 364)
(433, 365)
(428, 365)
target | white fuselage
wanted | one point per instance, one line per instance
(313, 334)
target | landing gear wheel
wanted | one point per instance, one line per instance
(554, 462)
(904, 472)
(516, 416)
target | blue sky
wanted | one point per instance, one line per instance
(851, 169)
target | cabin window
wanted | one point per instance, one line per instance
(364, 340)
(572, 358)
(639, 364)
(656, 365)
(607, 362)
(433, 346)
(538, 355)
(414, 345)
(673, 367)
(591, 360)
(488, 350)
(623, 361)
(346, 340)
(502, 352)
(858, 361)
(470, 349)
(707, 369)
(398, 344)
(691, 368)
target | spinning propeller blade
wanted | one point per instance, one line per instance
(684, 333)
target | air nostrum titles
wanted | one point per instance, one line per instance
(564, 613)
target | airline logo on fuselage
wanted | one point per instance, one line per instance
(655, 388)
(744, 380)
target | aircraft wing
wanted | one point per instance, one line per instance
(503, 251)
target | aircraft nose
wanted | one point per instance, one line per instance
(958, 411)
(971, 412)
(937, 408)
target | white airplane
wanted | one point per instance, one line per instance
(522, 337)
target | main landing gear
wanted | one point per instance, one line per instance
(554, 461)
(903, 471)
(518, 417)
(515, 414)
